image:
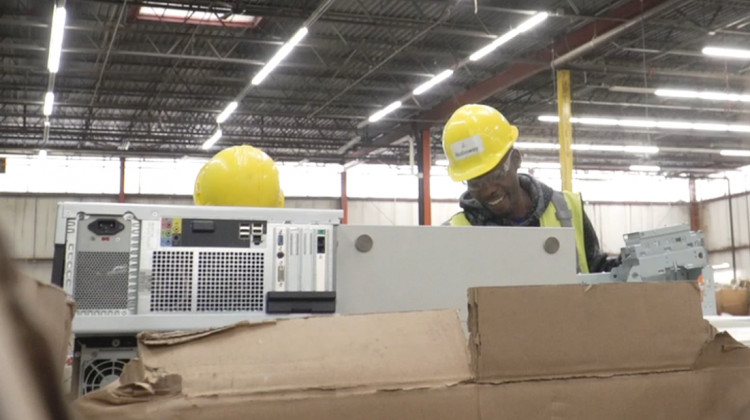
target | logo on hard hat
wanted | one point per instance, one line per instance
(467, 147)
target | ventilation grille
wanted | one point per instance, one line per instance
(101, 280)
(172, 281)
(101, 372)
(230, 281)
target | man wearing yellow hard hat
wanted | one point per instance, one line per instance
(478, 142)
(239, 176)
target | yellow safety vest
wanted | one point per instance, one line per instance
(567, 212)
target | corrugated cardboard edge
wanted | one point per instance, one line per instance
(475, 339)
(158, 339)
(475, 346)
(140, 383)
(150, 370)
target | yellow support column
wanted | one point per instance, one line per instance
(564, 129)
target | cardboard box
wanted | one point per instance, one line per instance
(612, 351)
(733, 301)
(50, 308)
(35, 321)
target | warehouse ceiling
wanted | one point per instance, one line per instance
(149, 78)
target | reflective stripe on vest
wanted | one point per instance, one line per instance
(557, 216)
(564, 210)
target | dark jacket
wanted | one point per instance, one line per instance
(541, 195)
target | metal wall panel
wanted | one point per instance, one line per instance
(612, 221)
(715, 223)
(18, 224)
(382, 212)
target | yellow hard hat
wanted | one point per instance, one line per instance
(239, 176)
(475, 140)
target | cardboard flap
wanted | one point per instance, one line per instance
(155, 339)
(383, 351)
(538, 332)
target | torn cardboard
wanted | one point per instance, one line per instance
(416, 365)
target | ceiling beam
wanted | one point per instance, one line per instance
(570, 46)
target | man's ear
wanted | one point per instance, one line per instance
(515, 159)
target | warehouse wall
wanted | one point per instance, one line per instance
(28, 220)
(715, 224)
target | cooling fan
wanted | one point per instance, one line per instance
(101, 372)
(102, 366)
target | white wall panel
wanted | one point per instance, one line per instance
(612, 221)
(715, 222)
(18, 224)
(382, 212)
(443, 211)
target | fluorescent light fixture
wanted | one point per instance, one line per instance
(280, 55)
(227, 112)
(497, 42)
(737, 153)
(594, 121)
(722, 266)
(718, 175)
(644, 168)
(49, 100)
(212, 140)
(646, 150)
(637, 123)
(167, 14)
(424, 87)
(706, 95)
(541, 165)
(56, 39)
(726, 52)
(385, 111)
(441, 162)
(537, 146)
(42, 154)
(627, 122)
(591, 147)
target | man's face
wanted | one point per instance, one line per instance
(498, 189)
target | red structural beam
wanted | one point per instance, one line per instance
(425, 180)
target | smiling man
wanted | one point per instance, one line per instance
(478, 142)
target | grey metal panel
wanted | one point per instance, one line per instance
(313, 203)
(144, 211)
(184, 200)
(420, 268)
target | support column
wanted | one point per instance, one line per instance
(695, 218)
(424, 163)
(564, 129)
(121, 198)
(344, 199)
